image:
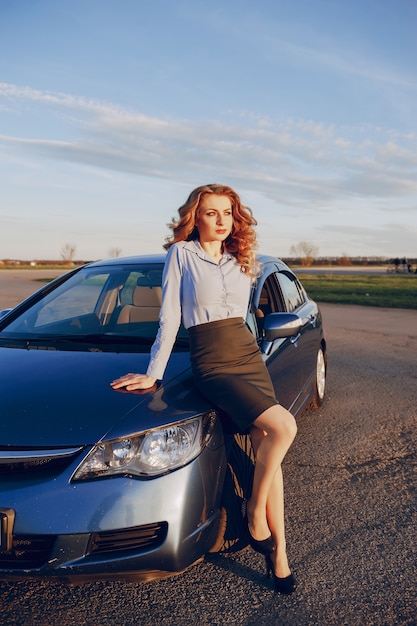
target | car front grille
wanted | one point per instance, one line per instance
(17, 462)
(28, 551)
(133, 539)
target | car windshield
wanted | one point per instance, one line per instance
(97, 305)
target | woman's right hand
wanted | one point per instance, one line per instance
(133, 381)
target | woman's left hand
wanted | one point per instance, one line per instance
(134, 381)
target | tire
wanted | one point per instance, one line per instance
(233, 530)
(320, 380)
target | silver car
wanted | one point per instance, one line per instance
(104, 484)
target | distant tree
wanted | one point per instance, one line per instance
(344, 260)
(305, 251)
(114, 252)
(68, 252)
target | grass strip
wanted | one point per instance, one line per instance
(383, 291)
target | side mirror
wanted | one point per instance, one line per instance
(278, 326)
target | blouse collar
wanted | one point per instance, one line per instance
(195, 246)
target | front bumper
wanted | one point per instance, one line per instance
(118, 528)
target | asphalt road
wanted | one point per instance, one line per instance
(350, 501)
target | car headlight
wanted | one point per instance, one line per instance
(148, 454)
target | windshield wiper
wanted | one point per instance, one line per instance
(113, 338)
(96, 338)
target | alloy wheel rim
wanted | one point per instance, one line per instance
(321, 374)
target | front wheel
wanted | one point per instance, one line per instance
(233, 530)
(320, 381)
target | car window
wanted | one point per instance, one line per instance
(128, 287)
(270, 301)
(94, 299)
(291, 290)
(70, 302)
(76, 302)
(102, 303)
(148, 279)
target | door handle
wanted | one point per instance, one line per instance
(294, 340)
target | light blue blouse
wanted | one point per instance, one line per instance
(199, 290)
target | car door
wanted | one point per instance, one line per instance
(283, 358)
(296, 301)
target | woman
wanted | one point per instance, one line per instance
(207, 279)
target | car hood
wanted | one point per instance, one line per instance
(51, 398)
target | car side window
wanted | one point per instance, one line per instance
(270, 301)
(291, 290)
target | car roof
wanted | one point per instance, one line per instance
(264, 259)
(130, 260)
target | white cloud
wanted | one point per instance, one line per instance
(298, 162)
(303, 168)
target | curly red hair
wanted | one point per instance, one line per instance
(242, 240)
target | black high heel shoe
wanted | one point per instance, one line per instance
(285, 585)
(263, 546)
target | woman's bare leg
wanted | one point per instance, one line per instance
(272, 434)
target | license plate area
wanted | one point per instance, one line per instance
(6, 529)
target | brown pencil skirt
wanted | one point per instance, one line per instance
(229, 370)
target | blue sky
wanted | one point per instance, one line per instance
(111, 111)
